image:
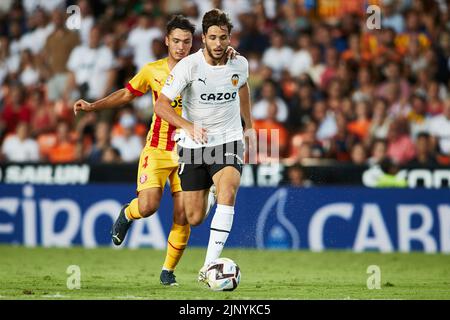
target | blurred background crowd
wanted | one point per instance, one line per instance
(335, 90)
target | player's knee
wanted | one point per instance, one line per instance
(146, 209)
(179, 217)
(228, 195)
(195, 219)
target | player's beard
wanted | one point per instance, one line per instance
(211, 53)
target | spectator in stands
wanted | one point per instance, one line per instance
(92, 69)
(15, 32)
(101, 143)
(111, 155)
(269, 95)
(393, 75)
(414, 60)
(19, 146)
(418, 117)
(358, 155)
(317, 67)
(325, 119)
(424, 152)
(413, 31)
(55, 55)
(38, 31)
(397, 106)
(48, 5)
(29, 73)
(303, 153)
(86, 21)
(340, 144)
(44, 117)
(301, 104)
(129, 144)
(379, 152)
(292, 21)
(140, 39)
(354, 52)
(4, 59)
(304, 145)
(277, 135)
(65, 148)
(400, 145)
(252, 40)
(360, 127)
(391, 17)
(366, 87)
(331, 65)
(440, 129)
(435, 105)
(296, 177)
(278, 56)
(334, 94)
(15, 110)
(235, 10)
(301, 59)
(380, 121)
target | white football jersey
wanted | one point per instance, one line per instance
(210, 97)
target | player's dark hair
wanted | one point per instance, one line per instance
(216, 17)
(179, 22)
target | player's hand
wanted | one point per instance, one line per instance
(231, 53)
(251, 144)
(82, 105)
(196, 133)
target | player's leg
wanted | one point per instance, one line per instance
(179, 233)
(195, 204)
(226, 177)
(227, 181)
(152, 177)
(196, 183)
(143, 206)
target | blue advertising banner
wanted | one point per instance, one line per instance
(352, 218)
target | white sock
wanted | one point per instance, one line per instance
(220, 229)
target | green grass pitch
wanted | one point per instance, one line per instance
(106, 273)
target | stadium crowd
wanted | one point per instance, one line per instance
(334, 89)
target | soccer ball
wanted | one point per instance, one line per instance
(223, 274)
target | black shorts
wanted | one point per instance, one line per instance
(198, 166)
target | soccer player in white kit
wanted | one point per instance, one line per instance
(215, 96)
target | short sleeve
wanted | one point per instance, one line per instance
(177, 80)
(139, 84)
(244, 69)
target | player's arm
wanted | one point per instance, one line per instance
(115, 99)
(164, 110)
(136, 87)
(246, 114)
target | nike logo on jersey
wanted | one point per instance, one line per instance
(201, 80)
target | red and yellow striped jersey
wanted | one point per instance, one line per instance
(152, 77)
